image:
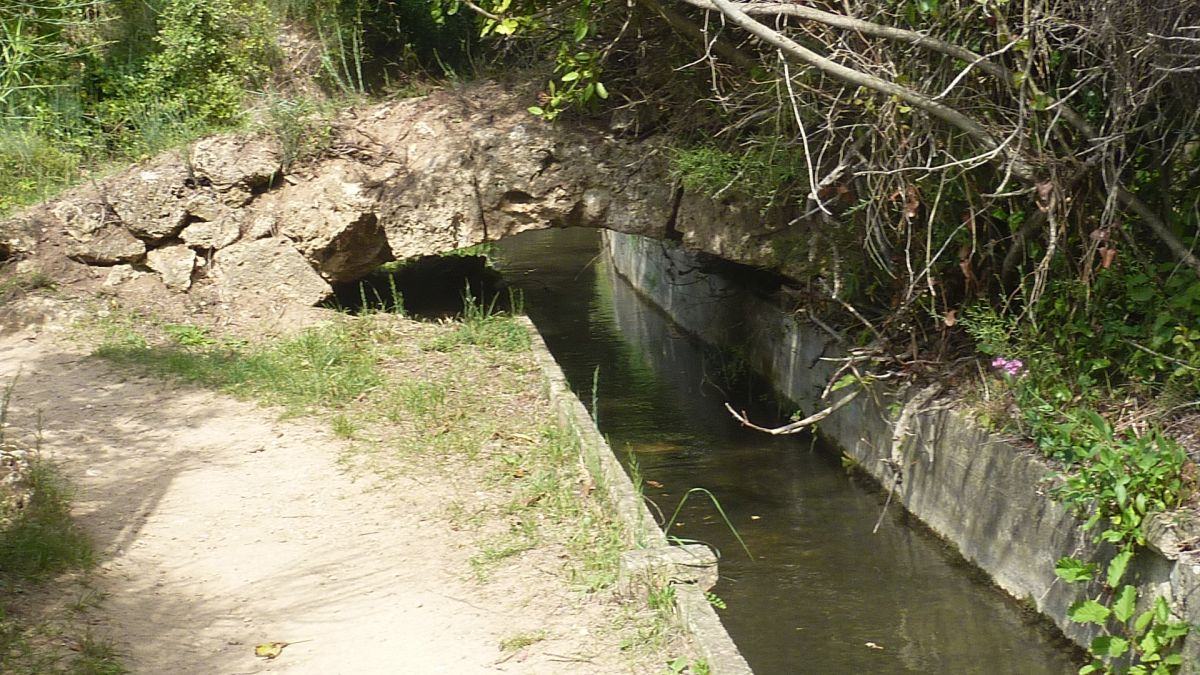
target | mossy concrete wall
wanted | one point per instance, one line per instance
(987, 497)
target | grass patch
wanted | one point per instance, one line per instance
(522, 640)
(39, 542)
(484, 327)
(42, 539)
(20, 284)
(421, 399)
(324, 366)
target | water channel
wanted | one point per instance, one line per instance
(821, 594)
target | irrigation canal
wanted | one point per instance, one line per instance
(821, 593)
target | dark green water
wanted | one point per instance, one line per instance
(822, 594)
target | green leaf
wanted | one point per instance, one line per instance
(1143, 621)
(581, 31)
(506, 27)
(1117, 567)
(844, 381)
(536, 110)
(1073, 570)
(1149, 646)
(1177, 630)
(1089, 611)
(1126, 603)
(571, 76)
(1109, 645)
(601, 91)
(1161, 611)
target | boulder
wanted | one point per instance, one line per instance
(332, 221)
(150, 199)
(120, 274)
(267, 271)
(174, 264)
(110, 245)
(84, 214)
(212, 236)
(18, 237)
(236, 161)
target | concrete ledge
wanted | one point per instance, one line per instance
(642, 568)
(985, 496)
(651, 558)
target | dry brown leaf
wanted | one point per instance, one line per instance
(1107, 256)
(912, 202)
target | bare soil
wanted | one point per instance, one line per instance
(220, 526)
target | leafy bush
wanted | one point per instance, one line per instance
(760, 172)
(209, 52)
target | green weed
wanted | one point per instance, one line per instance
(522, 640)
(343, 426)
(19, 284)
(187, 335)
(302, 128)
(414, 398)
(486, 327)
(329, 366)
(762, 172)
(42, 539)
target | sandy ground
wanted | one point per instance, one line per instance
(220, 527)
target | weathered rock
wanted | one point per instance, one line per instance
(332, 222)
(151, 199)
(174, 264)
(120, 274)
(267, 271)
(214, 224)
(213, 235)
(82, 215)
(236, 161)
(484, 169)
(260, 225)
(109, 246)
(18, 237)
(207, 205)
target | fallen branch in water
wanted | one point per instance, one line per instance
(795, 427)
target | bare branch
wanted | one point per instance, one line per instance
(801, 425)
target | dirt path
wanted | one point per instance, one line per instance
(220, 527)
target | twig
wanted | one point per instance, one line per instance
(794, 427)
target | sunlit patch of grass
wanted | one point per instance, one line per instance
(414, 398)
(492, 552)
(325, 366)
(484, 326)
(343, 426)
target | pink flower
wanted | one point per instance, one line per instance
(1011, 367)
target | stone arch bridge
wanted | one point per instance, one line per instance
(224, 218)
